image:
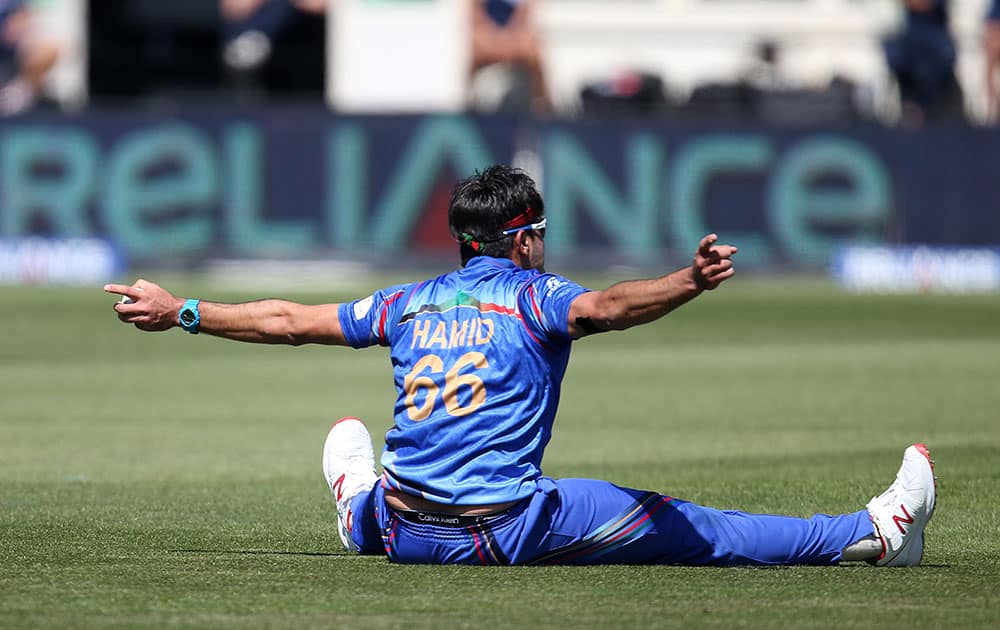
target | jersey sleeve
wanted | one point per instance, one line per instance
(367, 322)
(545, 302)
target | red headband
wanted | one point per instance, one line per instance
(527, 217)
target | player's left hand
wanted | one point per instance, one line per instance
(152, 308)
(712, 263)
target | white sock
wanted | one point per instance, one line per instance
(868, 548)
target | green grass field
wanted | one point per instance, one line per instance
(173, 479)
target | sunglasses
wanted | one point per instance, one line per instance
(537, 227)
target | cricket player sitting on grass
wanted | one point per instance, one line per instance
(478, 356)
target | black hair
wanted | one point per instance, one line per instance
(481, 205)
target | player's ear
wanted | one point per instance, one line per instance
(521, 241)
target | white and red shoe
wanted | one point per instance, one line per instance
(901, 513)
(349, 468)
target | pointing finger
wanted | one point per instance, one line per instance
(123, 289)
(724, 251)
(120, 289)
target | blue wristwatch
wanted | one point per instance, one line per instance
(189, 317)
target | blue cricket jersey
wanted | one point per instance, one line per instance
(478, 357)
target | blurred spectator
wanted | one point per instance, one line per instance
(922, 60)
(764, 71)
(993, 61)
(275, 46)
(26, 56)
(765, 93)
(507, 71)
(629, 92)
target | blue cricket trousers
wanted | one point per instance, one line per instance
(584, 521)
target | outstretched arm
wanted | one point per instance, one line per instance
(153, 308)
(636, 302)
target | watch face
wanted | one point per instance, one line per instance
(187, 317)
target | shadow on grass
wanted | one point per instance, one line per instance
(257, 552)
(321, 554)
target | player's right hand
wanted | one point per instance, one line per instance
(153, 308)
(712, 263)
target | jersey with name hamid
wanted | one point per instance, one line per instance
(478, 357)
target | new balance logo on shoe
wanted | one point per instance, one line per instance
(899, 520)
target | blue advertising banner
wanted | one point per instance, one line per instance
(292, 182)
